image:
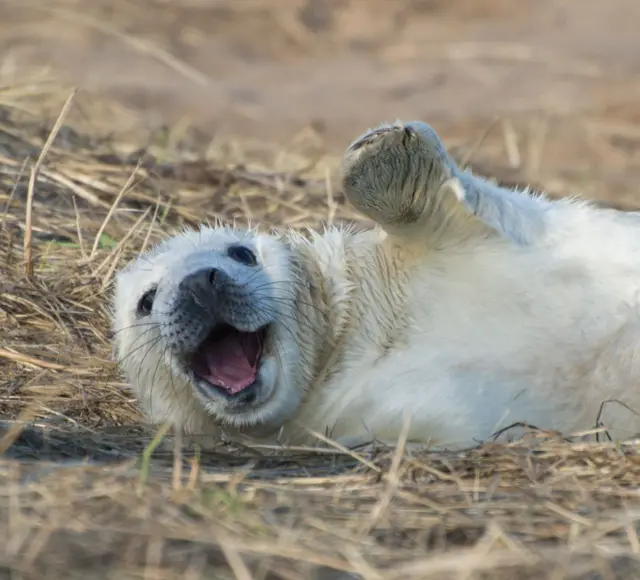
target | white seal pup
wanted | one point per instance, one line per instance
(471, 307)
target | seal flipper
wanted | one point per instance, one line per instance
(448, 219)
(401, 176)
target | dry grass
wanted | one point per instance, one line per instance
(86, 492)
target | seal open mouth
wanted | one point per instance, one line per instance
(228, 358)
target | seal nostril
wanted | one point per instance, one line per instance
(213, 273)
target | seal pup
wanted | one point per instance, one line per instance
(468, 308)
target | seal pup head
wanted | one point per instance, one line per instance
(208, 320)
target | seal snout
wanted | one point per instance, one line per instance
(223, 357)
(201, 288)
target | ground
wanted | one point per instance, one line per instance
(194, 110)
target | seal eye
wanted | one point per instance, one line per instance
(146, 303)
(243, 255)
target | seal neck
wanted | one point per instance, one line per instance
(325, 301)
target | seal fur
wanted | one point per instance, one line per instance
(469, 308)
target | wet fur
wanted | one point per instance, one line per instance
(472, 307)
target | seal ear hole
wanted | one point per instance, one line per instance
(145, 304)
(243, 255)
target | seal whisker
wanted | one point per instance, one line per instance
(171, 375)
(133, 350)
(287, 300)
(151, 343)
(289, 294)
(308, 325)
(135, 325)
(140, 369)
(167, 349)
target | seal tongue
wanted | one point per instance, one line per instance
(229, 361)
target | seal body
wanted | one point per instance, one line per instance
(470, 308)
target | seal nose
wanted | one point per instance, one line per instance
(211, 273)
(200, 279)
(202, 286)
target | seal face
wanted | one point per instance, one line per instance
(203, 314)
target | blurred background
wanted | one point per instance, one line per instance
(550, 87)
